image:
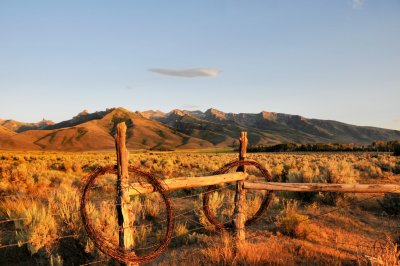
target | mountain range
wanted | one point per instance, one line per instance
(181, 129)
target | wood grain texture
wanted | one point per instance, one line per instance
(314, 187)
(188, 182)
(122, 198)
(239, 213)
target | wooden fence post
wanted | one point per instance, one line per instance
(123, 208)
(239, 214)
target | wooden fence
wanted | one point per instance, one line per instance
(239, 218)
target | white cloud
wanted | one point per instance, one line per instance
(188, 72)
(357, 3)
(190, 106)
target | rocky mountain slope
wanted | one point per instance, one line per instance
(181, 129)
(21, 127)
(95, 132)
(267, 127)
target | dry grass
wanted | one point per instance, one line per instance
(42, 189)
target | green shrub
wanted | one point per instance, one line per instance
(337, 173)
(291, 223)
(304, 175)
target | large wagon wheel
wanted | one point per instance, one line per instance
(104, 244)
(263, 207)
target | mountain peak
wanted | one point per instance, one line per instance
(267, 115)
(177, 112)
(80, 118)
(212, 112)
(43, 123)
(153, 114)
(119, 110)
(84, 112)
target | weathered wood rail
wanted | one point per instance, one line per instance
(321, 187)
(201, 181)
(188, 182)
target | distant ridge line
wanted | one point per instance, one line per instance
(182, 129)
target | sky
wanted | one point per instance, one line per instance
(336, 60)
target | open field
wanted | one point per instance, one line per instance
(40, 221)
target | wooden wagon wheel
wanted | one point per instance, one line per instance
(263, 207)
(101, 241)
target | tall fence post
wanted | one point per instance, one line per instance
(239, 214)
(123, 209)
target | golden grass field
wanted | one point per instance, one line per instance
(41, 225)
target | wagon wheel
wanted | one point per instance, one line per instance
(264, 204)
(102, 242)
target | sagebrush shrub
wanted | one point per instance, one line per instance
(341, 172)
(292, 223)
(391, 203)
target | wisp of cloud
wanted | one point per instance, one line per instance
(187, 73)
(357, 3)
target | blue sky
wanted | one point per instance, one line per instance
(324, 59)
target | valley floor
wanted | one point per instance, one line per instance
(40, 222)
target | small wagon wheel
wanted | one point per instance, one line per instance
(101, 242)
(263, 207)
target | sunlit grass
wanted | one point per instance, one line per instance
(43, 189)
